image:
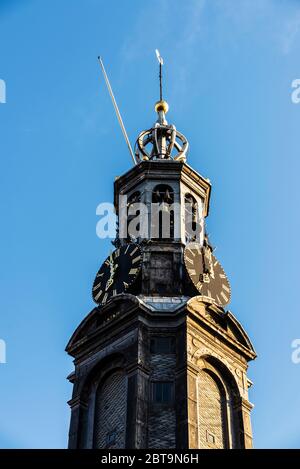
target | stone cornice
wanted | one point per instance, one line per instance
(202, 316)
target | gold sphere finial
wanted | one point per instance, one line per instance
(162, 106)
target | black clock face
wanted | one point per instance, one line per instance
(207, 273)
(117, 273)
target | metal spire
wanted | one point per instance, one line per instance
(161, 62)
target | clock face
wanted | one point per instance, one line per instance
(207, 273)
(117, 273)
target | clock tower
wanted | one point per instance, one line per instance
(159, 362)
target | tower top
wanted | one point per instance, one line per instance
(162, 141)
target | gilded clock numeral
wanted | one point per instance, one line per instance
(125, 285)
(133, 271)
(192, 272)
(226, 288)
(199, 285)
(218, 299)
(98, 295)
(136, 259)
(100, 274)
(97, 286)
(224, 296)
(189, 260)
(107, 262)
(114, 292)
(105, 298)
(116, 253)
(135, 249)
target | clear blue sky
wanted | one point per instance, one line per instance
(229, 68)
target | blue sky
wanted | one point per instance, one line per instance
(228, 69)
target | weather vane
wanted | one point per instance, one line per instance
(165, 140)
(161, 62)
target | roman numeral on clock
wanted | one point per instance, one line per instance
(105, 298)
(136, 259)
(224, 296)
(189, 260)
(98, 295)
(131, 254)
(133, 271)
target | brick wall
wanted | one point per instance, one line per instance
(211, 413)
(110, 412)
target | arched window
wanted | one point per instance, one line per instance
(191, 218)
(162, 214)
(212, 412)
(110, 412)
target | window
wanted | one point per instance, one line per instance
(162, 392)
(162, 218)
(162, 345)
(163, 194)
(111, 438)
(210, 438)
(110, 419)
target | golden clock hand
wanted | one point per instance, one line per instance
(110, 281)
(205, 276)
(111, 264)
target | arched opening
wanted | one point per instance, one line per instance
(220, 421)
(212, 411)
(110, 412)
(162, 214)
